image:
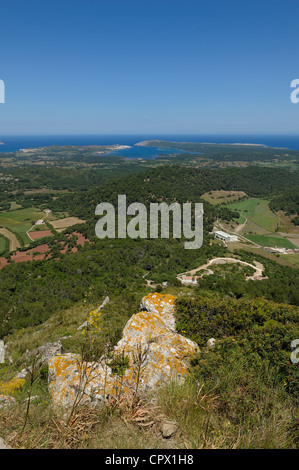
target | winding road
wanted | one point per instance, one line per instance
(258, 267)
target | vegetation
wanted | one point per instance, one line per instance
(288, 201)
(240, 394)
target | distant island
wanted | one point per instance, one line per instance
(149, 143)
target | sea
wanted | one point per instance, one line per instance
(12, 143)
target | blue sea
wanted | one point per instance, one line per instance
(14, 143)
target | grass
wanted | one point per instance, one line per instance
(220, 197)
(20, 221)
(257, 211)
(294, 259)
(3, 244)
(230, 411)
(271, 241)
(236, 406)
(14, 206)
(113, 427)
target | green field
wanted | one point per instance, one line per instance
(271, 241)
(257, 211)
(2, 244)
(294, 259)
(19, 221)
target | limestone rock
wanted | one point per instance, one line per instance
(211, 343)
(3, 444)
(86, 323)
(154, 351)
(168, 429)
(106, 300)
(49, 350)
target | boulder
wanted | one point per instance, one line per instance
(3, 444)
(155, 353)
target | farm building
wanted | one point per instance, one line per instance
(187, 280)
(226, 237)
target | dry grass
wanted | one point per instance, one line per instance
(67, 222)
(127, 424)
(218, 197)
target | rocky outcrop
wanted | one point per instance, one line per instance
(149, 354)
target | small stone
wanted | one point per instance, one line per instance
(211, 343)
(168, 429)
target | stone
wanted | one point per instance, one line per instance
(23, 373)
(211, 343)
(168, 429)
(3, 444)
(155, 354)
(86, 323)
(48, 350)
(106, 300)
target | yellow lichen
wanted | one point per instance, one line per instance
(10, 387)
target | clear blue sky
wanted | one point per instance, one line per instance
(148, 66)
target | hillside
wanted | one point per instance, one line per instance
(240, 393)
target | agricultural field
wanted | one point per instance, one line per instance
(2, 244)
(61, 224)
(271, 241)
(294, 259)
(20, 221)
(260, 219)
(13, 242)
(221, 196)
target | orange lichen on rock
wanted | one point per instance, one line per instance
(155, 353)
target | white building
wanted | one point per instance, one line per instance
(226, 237)
(189, 280)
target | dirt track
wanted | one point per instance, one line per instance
(258, 267)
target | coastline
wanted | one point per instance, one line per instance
(146, 143)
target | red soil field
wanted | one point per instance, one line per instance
(39, 252)
(41, 234)
(3, 262)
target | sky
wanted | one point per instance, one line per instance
(149, 66)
